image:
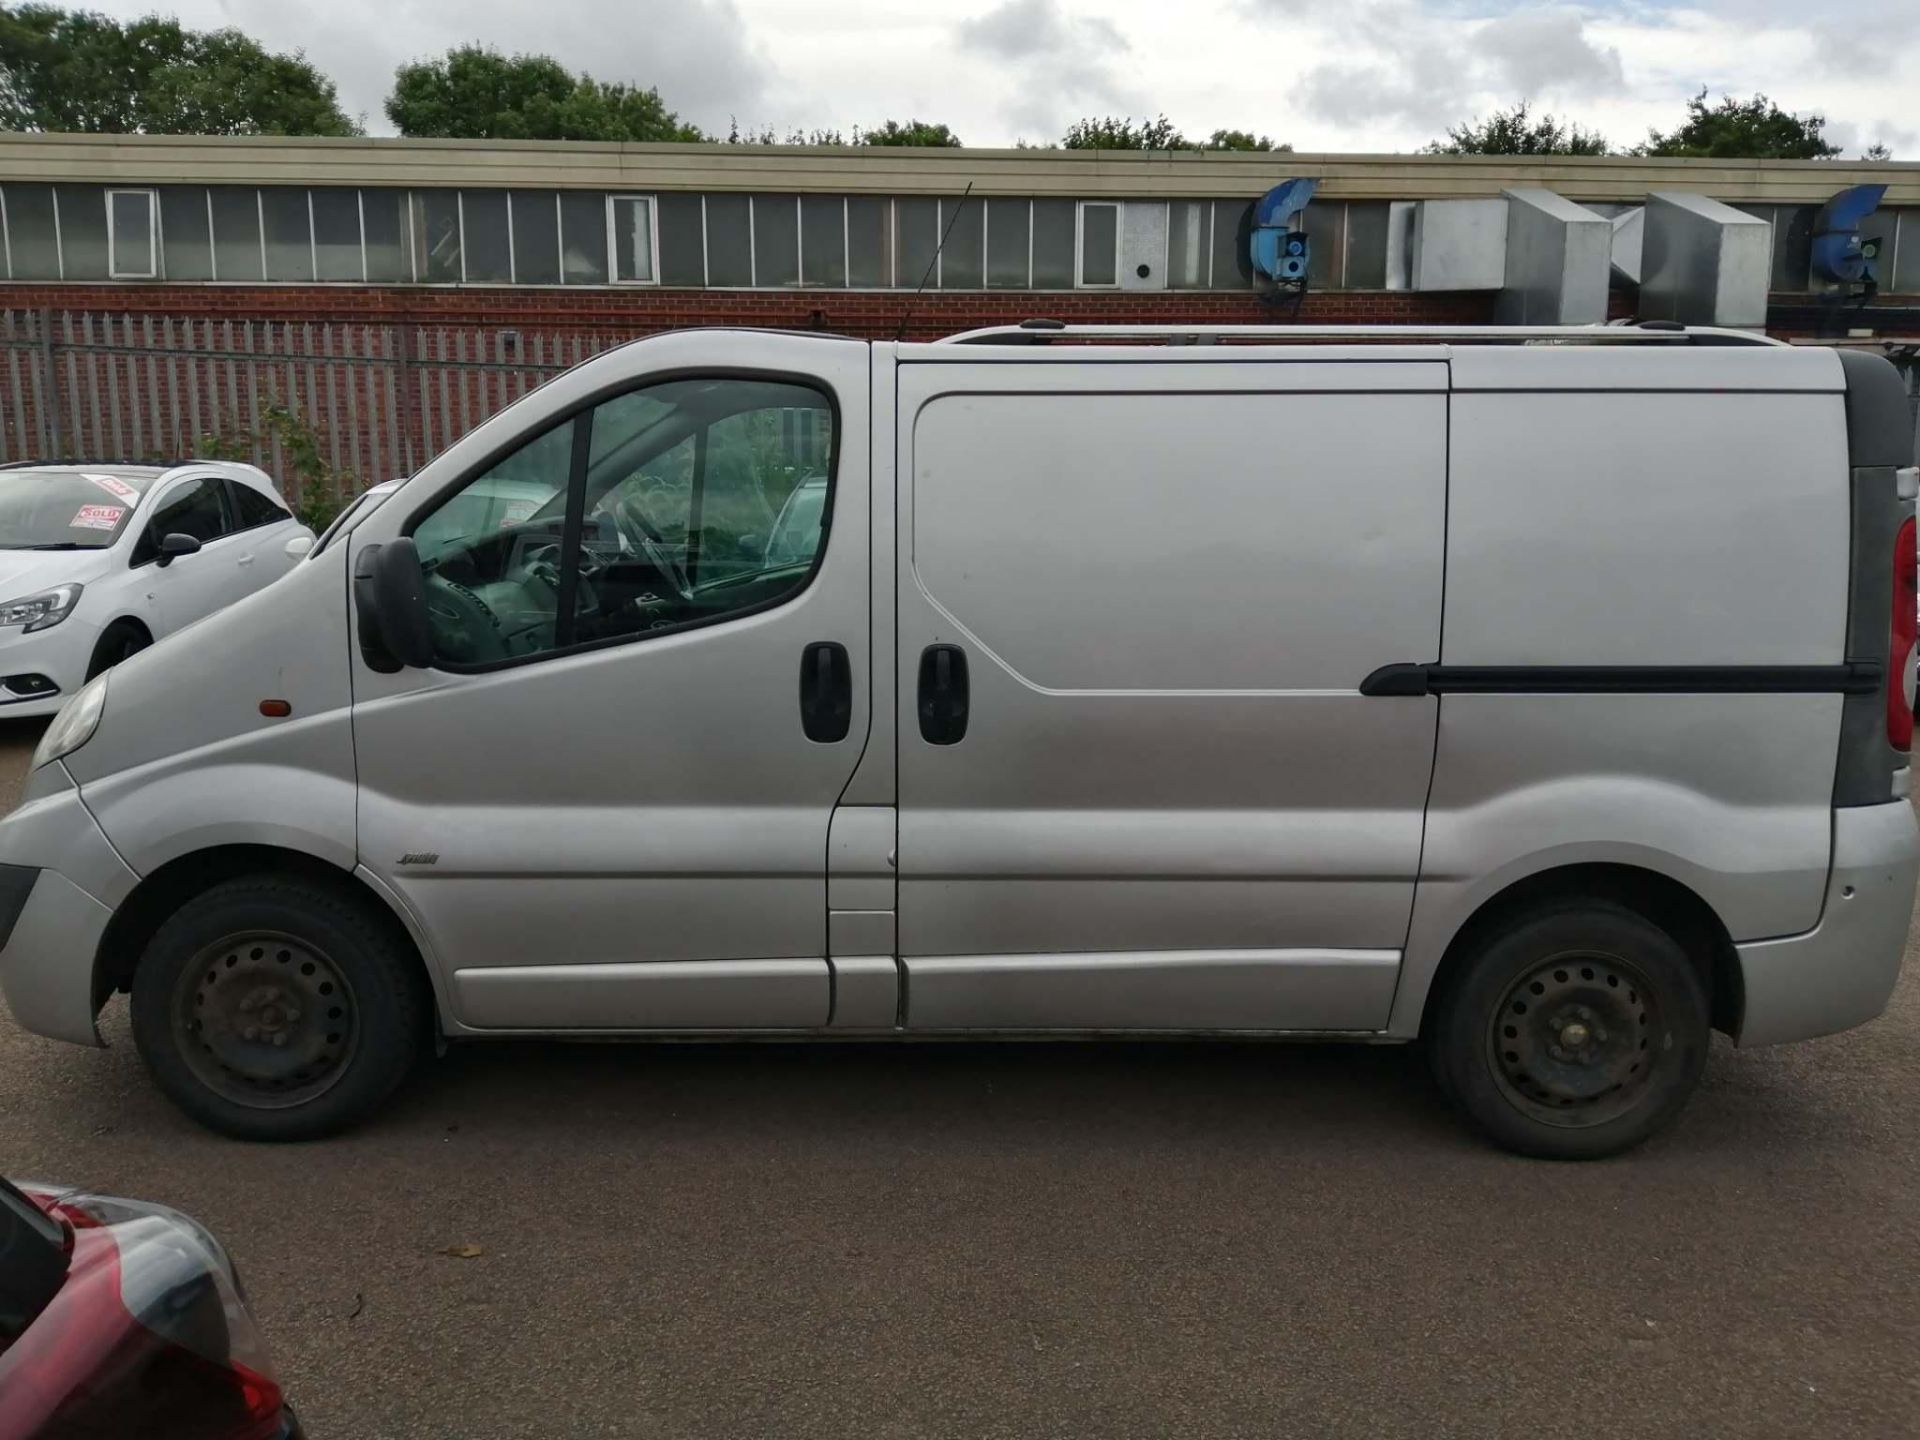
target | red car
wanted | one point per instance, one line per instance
(120, 1318)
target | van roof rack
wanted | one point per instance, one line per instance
(1645, 332)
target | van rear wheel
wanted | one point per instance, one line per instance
(277, 1008)
(1574, 1033)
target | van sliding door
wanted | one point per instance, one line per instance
(1138, 785)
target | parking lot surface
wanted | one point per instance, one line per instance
(1023, 1240)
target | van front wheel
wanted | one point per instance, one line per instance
(1574, 1033)
(274, 1008)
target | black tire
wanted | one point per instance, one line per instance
(116, 643)
(1574, 1032)
(274, 1007)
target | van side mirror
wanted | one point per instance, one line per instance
(390, 592)
(174, 545)
(299, 547)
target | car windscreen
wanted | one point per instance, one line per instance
(65, 509)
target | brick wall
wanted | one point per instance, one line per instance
(640, 310)
(392, 375)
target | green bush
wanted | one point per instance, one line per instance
(317, 491)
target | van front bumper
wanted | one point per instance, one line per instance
(1842, 972)
(61, 883)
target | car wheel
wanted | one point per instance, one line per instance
(277, 1008)
(1574, 1033)
(116, 643)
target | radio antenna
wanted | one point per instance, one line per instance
(907, 313)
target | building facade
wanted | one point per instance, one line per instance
(132, 268)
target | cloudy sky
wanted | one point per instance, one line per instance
(1323, 74)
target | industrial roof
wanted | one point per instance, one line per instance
(890, 170)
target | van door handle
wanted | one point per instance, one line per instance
(246, 559)
(826, 691)
(944, 694)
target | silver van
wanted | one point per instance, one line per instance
(1543, 695)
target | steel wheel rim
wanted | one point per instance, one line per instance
(265, 1019)
(1577, 1039)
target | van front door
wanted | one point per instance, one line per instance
(1139, 788)
(607, 802)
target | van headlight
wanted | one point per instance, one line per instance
(42, 611)
(74, 725)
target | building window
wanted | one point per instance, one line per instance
(917, 242)
(338, 248)
(681, 223)
(33, 237)
(1367, 245)
(583, 238)
(963, 222)
(287, 223)
(870, 243)
(486, 238)
(1009, 244)
(384, 223)
(1099, 245)
(534, 222)
(729, 241)
(133, 226)
(823, 241)
(186, 234)
(1055, 243)
(631, 240)
(80, 216)
(1189, 245)
(233, 213)
(776, 241)
(1899, 270)
(436, 236)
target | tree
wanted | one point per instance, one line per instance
(475, 93)
(1516, 132)
(1877, 153)
(1755, 129)
(1109, 133)
(77, 71)
(767, 135)
(914, 132)
(1244, 140)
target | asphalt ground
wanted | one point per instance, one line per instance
(1039, 1240)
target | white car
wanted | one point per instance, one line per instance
(98, 561)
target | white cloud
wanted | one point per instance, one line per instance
(1055, 66)
(698, 53)
(1548, 51)
(1354, 75)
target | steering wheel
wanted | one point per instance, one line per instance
(543, 565)
(654, 544)
(464, 629)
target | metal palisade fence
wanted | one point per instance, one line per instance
(381, 398)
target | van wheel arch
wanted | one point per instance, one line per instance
(160, 894)
(1660, 899)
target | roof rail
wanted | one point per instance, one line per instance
(1646, 332)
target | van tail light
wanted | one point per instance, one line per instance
(1906, 618)
(149, 1336)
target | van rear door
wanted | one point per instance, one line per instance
(1138, 785)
